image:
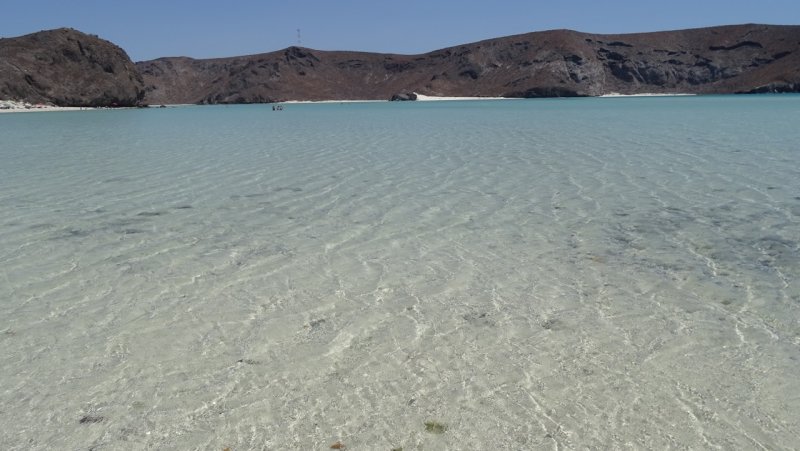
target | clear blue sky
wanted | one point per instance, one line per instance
(149, 29)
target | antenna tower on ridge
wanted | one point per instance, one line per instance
(299, 41)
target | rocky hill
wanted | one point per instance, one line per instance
(727, 59)
(67, 68)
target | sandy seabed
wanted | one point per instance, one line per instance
(577, 274)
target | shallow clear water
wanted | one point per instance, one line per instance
(547, 274)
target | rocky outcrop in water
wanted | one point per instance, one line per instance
(65, 67)
(560, 63)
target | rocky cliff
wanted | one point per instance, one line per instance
(67, 68)
(727, 59)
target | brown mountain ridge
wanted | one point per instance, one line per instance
(67, 67)
(726, 59)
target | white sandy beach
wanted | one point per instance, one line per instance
(424, 98)
(13, 106)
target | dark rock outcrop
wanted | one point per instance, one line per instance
(774, 88)
(68, 68)
(544, 91)
(558, 63)
(403, 96)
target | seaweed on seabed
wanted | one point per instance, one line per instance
(434, 427)
(91, 419)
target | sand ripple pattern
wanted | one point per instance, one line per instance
(554, 274)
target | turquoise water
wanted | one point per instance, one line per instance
(532, 274)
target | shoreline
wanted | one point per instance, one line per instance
(647, 94)
(13, 106)
(296, 102)
(424, 98)
(420, 98)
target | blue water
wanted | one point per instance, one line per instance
(531, 274)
